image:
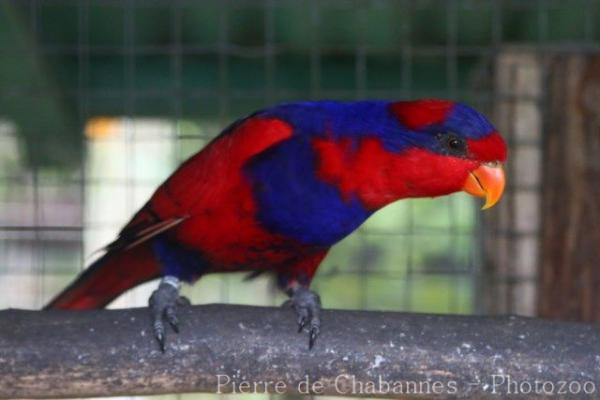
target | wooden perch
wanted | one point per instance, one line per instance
(224, 348)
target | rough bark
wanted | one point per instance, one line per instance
(571, 191)
(112, 352)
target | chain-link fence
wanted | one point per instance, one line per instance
(100, 100)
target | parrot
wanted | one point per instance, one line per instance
(275, 190)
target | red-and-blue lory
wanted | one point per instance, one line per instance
(277, 189)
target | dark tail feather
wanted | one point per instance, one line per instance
(108, 277)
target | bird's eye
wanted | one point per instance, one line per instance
(453, 144)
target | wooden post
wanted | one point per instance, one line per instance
(542, 244)
(570, 277)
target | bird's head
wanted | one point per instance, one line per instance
(423, 148)
(455, 147)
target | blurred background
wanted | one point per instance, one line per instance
(101, 100)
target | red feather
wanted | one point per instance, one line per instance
(489, 148)
(417, 114)
(212, 189)
(199, 205)
(378, 177)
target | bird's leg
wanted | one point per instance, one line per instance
(295, 279)
(163, 305)
(307, 305)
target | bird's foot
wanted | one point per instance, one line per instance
(307, 305)
(163, 305)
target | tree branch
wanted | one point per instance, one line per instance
(108, 353)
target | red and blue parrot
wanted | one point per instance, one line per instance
(277, 189)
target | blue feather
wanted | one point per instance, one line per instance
(178, 261)
(294, 202)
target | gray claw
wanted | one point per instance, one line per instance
(172, 318)
(303, 317)
(314, 332)
(301, 323)
(160, 336)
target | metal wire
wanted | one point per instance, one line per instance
(146, 61)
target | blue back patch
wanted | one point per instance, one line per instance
(293, 202)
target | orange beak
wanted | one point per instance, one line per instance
(486, 181)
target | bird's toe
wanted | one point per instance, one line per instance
(307, 305)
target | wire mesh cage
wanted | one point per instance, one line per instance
(100, 101)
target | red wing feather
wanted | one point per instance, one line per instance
(208, 186)
(129, 239)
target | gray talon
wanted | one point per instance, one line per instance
(163, 305)
(161, 339)
(172, 318)
(303, 317)
(301, 323)
(314, 332)
(307, 306)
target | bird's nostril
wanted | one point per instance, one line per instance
(492, 164)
